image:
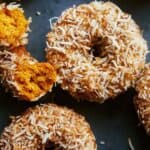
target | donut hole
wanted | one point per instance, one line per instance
(34, 80)
(96, 50)
(52, 146)
(98, 47)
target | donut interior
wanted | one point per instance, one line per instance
(13, 24)
(34, 80)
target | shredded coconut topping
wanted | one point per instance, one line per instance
(142, 100)
(48, 123)
(100, 28)
(23, 75)
(8, 64)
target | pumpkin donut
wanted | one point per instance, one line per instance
(142, 100)
(97, 49)
(24, 76)
(48, 126)
(13, 25)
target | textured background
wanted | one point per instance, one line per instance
(112, 122)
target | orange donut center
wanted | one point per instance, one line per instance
(12, 25)
(33, 80)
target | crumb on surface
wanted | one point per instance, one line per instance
(130, 144)
(38, 13)
(102, 142)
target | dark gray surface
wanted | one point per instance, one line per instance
(113, 121)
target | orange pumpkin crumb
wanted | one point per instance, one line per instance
(34, 80)
(13, 26)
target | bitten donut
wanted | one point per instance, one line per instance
(24, 76)
(48, 126)
(142, 100)
(97, 49)
(13, 25)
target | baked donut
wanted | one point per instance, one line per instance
(13, 25)
(97, 49)
(48, 126)
(142, 100)
(23, 75)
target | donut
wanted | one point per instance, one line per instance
(142, 99)
(48, 126)
(23, 75)
(97, 50)
(14, 26)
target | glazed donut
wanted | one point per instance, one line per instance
(13, 25)
(142, 100)
(97, 49)
(24, 76)
(48, 126)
